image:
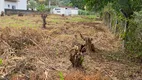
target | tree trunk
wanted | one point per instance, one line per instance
(126, 34)
(43, 16)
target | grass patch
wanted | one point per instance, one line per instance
(87, 18)
(26, 21)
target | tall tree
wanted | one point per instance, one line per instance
(64, 2)
(78, 3)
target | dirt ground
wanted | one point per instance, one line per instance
(29, 52)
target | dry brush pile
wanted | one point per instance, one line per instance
(34, 53)
(13, 45)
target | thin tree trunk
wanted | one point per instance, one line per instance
(43, 16)
(49, 3)
(116, 26)
(126, 35)
(110, 23)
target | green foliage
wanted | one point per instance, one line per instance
(96, 5)
(0, 61)
(64, 2)
(122, 11)
(70, 4)
(88, 18)
(81, 60)
(123, 35)
(32, 4)
(134, 43)
(91, 16)
(58, 2)
(61, 76)
(138, 17)
(78, 3)
(83, 12)
(41, 7)
(128, 6)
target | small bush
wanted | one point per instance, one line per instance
(134, 44)
(83, 12)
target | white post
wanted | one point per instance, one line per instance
(49, 4)
(1, 6)
(124, 41)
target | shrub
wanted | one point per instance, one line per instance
(133, 37)
(83, 12)
(134, 44)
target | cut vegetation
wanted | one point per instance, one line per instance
(28, 52)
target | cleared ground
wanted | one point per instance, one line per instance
(29, 51)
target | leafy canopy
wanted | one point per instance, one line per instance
(128, 6)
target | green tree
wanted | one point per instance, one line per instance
(78, 3)
(127, 7)
(41, 7)
(32, 4)
(64, 2)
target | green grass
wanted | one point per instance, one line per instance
(91, 16)
(86, 18)
(15, 21)
(0, 61)
(30, 21)
(61, 76)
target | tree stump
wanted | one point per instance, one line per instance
(44, 16)
(76, 59)
(77, 56)
(20, 14)
(80, 50)
(63, 15)
(2, 13)
(88, 43)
